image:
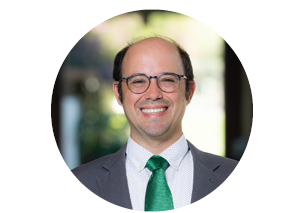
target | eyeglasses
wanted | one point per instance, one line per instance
(167, 82)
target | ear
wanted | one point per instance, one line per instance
(192, 90)
(117, 95)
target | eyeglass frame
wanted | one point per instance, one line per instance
(149, 78)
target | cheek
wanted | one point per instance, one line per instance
(178, 97)
(130, 100)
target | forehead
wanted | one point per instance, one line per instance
(152, 56)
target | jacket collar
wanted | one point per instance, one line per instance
(205, 179)
(114, 187)
(113, 181)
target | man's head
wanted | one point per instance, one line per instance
(186, 62)
(153, 113)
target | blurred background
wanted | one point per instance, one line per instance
(87, 121)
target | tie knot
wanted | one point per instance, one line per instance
(156, 162)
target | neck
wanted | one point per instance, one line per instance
(155, 145)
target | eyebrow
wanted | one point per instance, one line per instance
(139, 73)
(157, 75)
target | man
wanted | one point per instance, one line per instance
(154, 84)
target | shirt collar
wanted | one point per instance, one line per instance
(174, 154)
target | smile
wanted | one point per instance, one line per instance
(153, 111)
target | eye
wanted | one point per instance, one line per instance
(168, 80)
(138, 81)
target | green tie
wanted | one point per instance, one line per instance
(158, 194)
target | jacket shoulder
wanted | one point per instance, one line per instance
(87, 173)
(90, 169)
(93, 173)
(226, 165)
(218, 164)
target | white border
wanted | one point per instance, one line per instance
(37, 36)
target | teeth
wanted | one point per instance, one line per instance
(153, 111)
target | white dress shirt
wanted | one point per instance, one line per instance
(179, 174)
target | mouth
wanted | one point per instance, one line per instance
(154, 111)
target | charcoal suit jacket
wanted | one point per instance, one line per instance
(106, 176)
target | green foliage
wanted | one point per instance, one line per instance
(102, 132)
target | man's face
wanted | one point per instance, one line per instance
(153, 57)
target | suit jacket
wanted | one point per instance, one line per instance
(106, 176)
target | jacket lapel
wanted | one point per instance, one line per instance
(205, 179)
(113, 180)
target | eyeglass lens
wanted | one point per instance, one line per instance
(166, 82)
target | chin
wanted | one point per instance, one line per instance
(155, 132)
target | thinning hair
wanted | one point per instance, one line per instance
(186, 61)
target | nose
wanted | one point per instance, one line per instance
(153, 92)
